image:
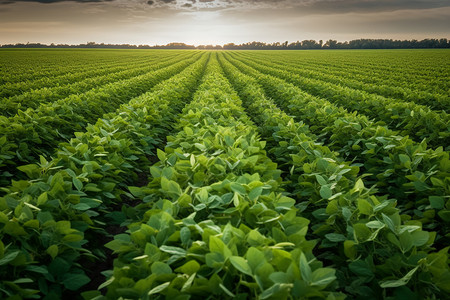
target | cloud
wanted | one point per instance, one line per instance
(300, 6)
(51, 1)
(368, 6)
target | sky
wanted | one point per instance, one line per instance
(157, 22)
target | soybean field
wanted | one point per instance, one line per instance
(189, 174)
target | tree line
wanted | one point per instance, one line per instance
(305, 44)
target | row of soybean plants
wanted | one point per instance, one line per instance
(437, 98)
(424, 69)
(418, 121)
(376, 249)
(19, 65)
(416, 69)
(35, 98)
(348, 78)
(52, 225)
(214, 221)
(31, 133)
(76, 80)
(419, 70)
(412, 173)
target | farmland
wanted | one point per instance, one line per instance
(154, 174)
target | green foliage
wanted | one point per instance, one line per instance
(344, 213)
(45, 221)
(223, 175)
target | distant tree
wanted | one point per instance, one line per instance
(306, 44)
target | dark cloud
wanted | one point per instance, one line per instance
(344, 6)
(51, 1)
(306, 7)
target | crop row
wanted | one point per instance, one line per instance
(74, 76)
(29, 65)
(35, 98)
(213, 220)
(365, 237)
(428, 76)
(412, 173)
(410, 119)
(32, 133)
(218, 175)
(53, 224)
(347, 78)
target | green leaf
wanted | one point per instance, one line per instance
(420, 238)
(255, 193)
(375, 224)
(42, 199)
(241, 264)
(74, 282)
(81, 206)
(170, 186)
(325, 192)
(227, 291)
(361, 232)
(191, 267)
(323, 276)
(321, 180)
(389, 222)
(202, 195)
(217, 245)
(173, 250)
(29, 169)
(23, 280)
(200, 147)
(161, 154)
(155, 172)
(238, 188)
(9, 257)
(404, 158)
(136, 191)
(436, 202)
(279, 277)
(399, 282)
(188, 131)
(188, 283)
(406, 241)
(364, 207)
(160, 268)
(106, 283)
(335, 237)
(77, 183)
(52, 251)
(305, 269)
(255, 258)
(229, 141)
(185, 235)
(350, 249)
(359, 185)
(159, 288)
(361, 268)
